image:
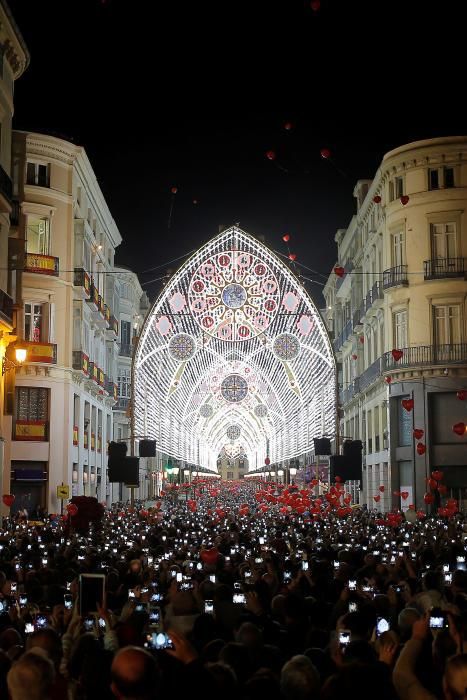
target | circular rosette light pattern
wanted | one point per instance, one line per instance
(286, 347)
(261, 410)
(234, 388)
(234, 296)
(206, 411)
(233, 432)
(182, 347)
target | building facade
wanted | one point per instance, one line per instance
(14, 59)
(133, 307)
(61, 254)
(398, 312)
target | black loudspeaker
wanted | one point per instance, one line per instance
(117, 452)
(353, 452)
(147, 448)
(340, 465)
(322, 446)
(124, 471)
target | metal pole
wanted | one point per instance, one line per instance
(132, 416)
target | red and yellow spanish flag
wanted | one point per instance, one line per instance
(41, 352)
(30, 430)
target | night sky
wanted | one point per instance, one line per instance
(193, 95)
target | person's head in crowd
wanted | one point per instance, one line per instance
(249, 635)
(225, 680)
(134, 674)
(48, 640)
(455, 678)
(262, 685)
(405, 620)
(236, 655)
(299, 679)
(31, 677)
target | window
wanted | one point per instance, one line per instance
(38, 174)
(447, 325)
(125, 332)
(33, 322)
(399, 187)
(230, 476)
(405, 423)
(444, 240)
(400, 329)
(124, 383)
(398, 249)
(433, 183)
(38, 235)
(31, 403)
(449, 177)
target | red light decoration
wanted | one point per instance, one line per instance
(421, 448)
(408, 404)
(377, 199)
(286, 238)
(459, 428)
(418, 433)
(397, 354)
(339, 271)
(404, 199)
(271, 155)
(325, 153)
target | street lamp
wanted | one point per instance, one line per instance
(280, 473)
(20, 357)
(293, 472)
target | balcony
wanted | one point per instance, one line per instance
(83, 281)
(370, 375)
(6, 191)
(373, 296)
(45, 353)
(445, 268)
(6, 308)
(42, 264)
(122, 404)
(111, 388)
(351, 391)
(426, 355)
(395, 277)
(80, 361)
(126, 350)
(357, 317)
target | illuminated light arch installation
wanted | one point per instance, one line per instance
(234, 339)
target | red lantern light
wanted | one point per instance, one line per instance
(421, 448)
(377, 199)
(404, 199)
(418, 433)
(325, 153)
(429, 499)
(292, 256)
(174, 190)
(339, 271)
(397, 354)
(408, 404)
(286, 238)
(462, 395)
(459, 429)
(271, 155)
(8, 499)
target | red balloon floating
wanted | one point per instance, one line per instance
(325, 153)
(377, 199)
(459, 428)
(443, 489)
(388, 379)
(437, 475)
(339, 271)
(354, 357)
(209, 556)
(292, 256)
(362, 339)
(8, 499)
(267, 461)
(72, 509)
(286, 237)
(377, 498)
(315, 5)
(404, 199)
(421, 448)
(418, 433)
(381, 488)
(429, 499)
(462, 395)
(271, 155)
(408, 404)
(174, 190)
(288, 126)
(397, 354)
(432, 483)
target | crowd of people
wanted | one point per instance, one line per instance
(225, 591)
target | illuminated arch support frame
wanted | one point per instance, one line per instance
(234, 298)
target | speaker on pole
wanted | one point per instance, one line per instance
(147, 448)
(322, 446)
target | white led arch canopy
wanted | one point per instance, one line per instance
(234, 339)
